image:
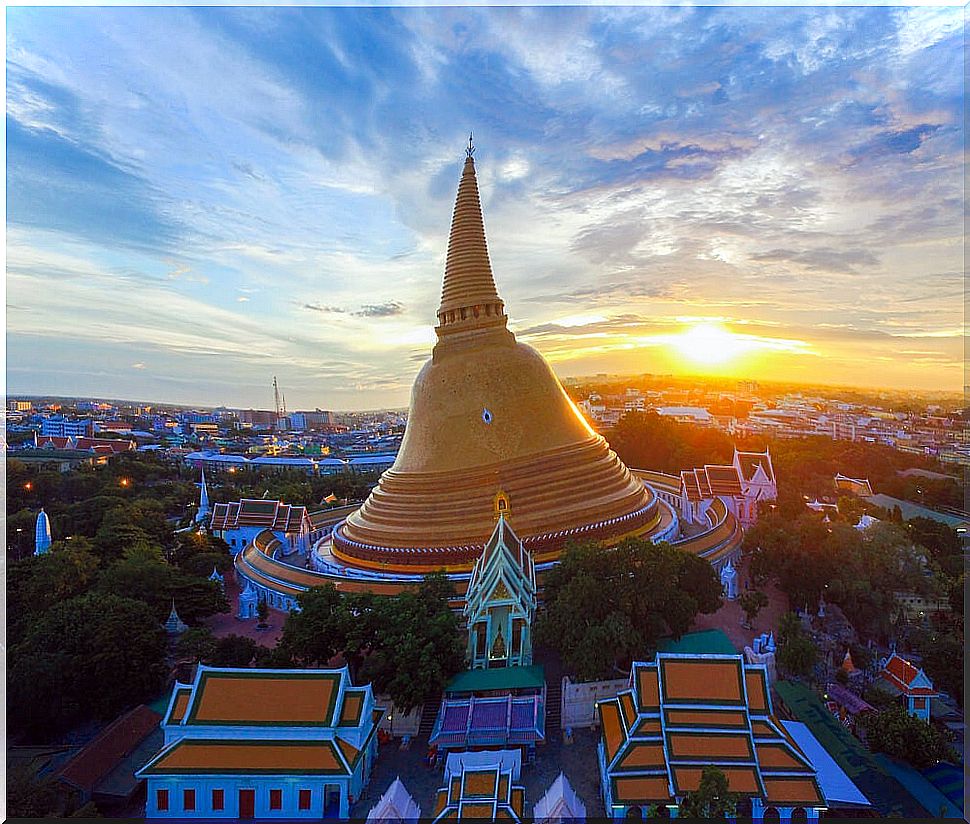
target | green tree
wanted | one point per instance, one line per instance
(604, 607)
(196, 644)
(796, 652)
(317, 631)
(32, 796)
(87, 657)
(418, 647)
(897, 733)
(233, 651)
(751, 603)
(143, 574)
(38, 582)
(712, 800)
(118, 533)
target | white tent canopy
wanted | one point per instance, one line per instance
(560, 803)
(395, 805)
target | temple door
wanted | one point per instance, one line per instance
(247, 803)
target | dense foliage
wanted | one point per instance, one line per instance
(858, 571)
(897, 733)
(605, 607)
(796, 652)
(88, 657)
(803, 466)
(407, 645)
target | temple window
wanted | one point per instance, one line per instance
(464, 313)
(276, 799)
(488, 310)
(161, 800)
(218, 800)
(188, 800)
(305, 796)
(475, 310)
(799, 815)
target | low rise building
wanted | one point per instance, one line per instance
(683, 712)
(240, 522)
(263, 744)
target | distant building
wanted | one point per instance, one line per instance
(901, 678)
(854, 486)
(60, 427)
(263, 744)
(240, 522)
(686, 414)
(19, 406)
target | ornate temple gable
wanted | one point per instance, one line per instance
(501, 598)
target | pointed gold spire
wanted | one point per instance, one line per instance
(469, 299)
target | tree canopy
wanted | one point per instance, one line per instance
(711, 801)
(897, 733)
(605, 607)
(407, 645)
(796, 651)
(87, 657)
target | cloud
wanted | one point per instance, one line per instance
(317, 307)
(380, 310)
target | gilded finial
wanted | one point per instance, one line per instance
(502, 505)
(470, 149)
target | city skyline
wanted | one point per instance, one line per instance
(202, 198)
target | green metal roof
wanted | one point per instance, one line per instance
(705, 642)
(500, 678)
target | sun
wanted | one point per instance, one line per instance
(709, 343)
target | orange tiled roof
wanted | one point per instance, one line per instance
(701, 680)
(715, 710)
(240, 697)
(901, 674)
(183, 692)
(189, 756)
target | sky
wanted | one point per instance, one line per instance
(199, 199)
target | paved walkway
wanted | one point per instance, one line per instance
(226, 623)
(577, 761)
(728, 618)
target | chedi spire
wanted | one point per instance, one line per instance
(469, 299)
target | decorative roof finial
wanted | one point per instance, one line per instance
(470, 149)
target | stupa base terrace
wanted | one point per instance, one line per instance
(264, 564)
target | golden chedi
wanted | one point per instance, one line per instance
(488, 413)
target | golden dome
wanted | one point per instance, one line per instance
(488, 414)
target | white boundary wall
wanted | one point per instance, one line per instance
(579, 700)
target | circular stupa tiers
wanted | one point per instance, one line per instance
(488, 413)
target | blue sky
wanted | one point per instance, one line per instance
(201, 198)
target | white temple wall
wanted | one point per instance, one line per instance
(579, 700)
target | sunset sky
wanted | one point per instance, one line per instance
(201, 198)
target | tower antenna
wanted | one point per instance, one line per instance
(470, 149)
